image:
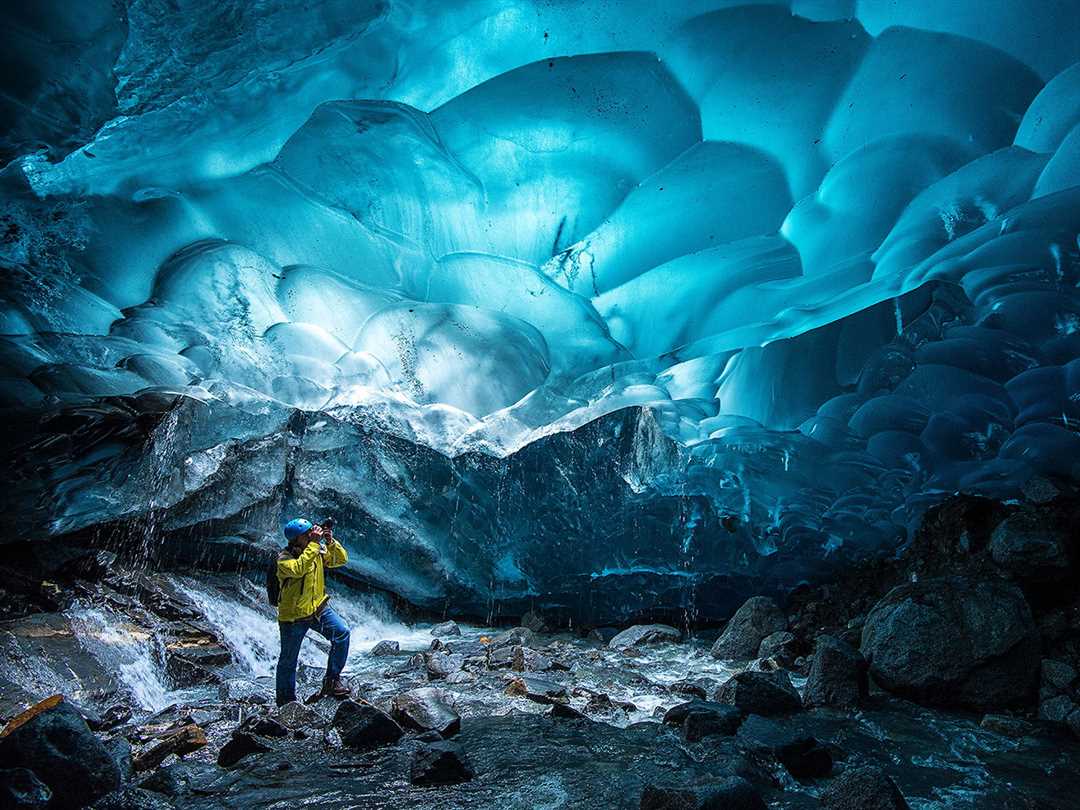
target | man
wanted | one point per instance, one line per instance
(303, 605)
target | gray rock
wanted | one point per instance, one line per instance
(501, 658)
(426, 709)
(705, 719)
(536, 689)
(439, 664)
(240, 745)
(782, 645)
(954, 642)
(439, 763)
(449, 628)
(461, 676)
(20, 789)
(1058, 675)
(800, 753)
(838, 675)
(363, 727)
(298, 715)
(243, 690)
(644, 634)
(758, 618)
(60, 749)
(760, 693)
(1028, 547)
(863, 788)
(1056, 710)
(528, 660)
(515, 637)
(386, 647)
(535, 621)
(733, 793)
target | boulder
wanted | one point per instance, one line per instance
(702, 718)
(264, 727)
(524, 659)
(20, 789)
(1056, 710)
(782, 646)
(501, 657)
(449, 628)
(53, 741)
(426, 709)
(733, 793)
(1030, 548)
(440, 664)
(641, 634)
(758, 618)
(386, 648)
(954, 642)
(132, 798)
(838, 675)
(461, 676)
(863, 788)
(566, 711)
(297, 715)
(363, 727)
(760, 693)
(243, 690)
(439, 763)
(800, 753)
(240, 745)
(536, 689)
(1057, 676)
(514, 637)
(667, 798)
(698, 688)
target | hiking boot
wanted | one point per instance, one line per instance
(335, 688)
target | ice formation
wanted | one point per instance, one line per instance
(412, 262)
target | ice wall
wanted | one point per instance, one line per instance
(830, 246)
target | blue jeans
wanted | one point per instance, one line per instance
(328, 625)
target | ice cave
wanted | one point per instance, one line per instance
(694, 387)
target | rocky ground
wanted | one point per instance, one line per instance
(947, 677)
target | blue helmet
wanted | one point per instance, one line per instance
(296, 527)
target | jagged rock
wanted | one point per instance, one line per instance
(800, 753)
(449, 628)
(1007, 726)
(956, 642)
(760, 693)
(53, 740)
(701, 718)
(468, 649)
(640, 634)
(440, 664)
(863, 788)
(566, 711)
(183, 740)
(363, 727)
(239, 746)
(764, 665)
(697, 688)
(264, 727)
(439, 763)
(386, 648)
(501, 657)
(426, 709)
(436, 645)
(534, 620)
(120, 751)
(515, 637)
(20, 789)
(168, 780)
(782, 646)
(297, 715)
(536, 689)
(1030, 548)
(758, 618)
(526, 660)
(838, 675)
(132, 798)
(461, 676)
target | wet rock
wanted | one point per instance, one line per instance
(426, 709)
(640, 634)
(760, 693)
(449, 628)
(515, 637)
(243, 690)
(20, 789)
(297, 715)
(501, 658)
(468, 649)
(264, 727)
(120, 751)
(800, 753)
(692, 688)
(440, 763)
(386, 648)
(863, 788)
(536, 689)
(183, 740)
(1057, 709)
(700, 718)
(667, 798)
(535, 621)
(954, 642)
(838, 675)
(1057, 676)
(53, 740)
(461, 676)
(758, 618)
(733, 793)
(1030, 548)
(524, 659)
(439, 664)
(169, 780)
(602, 635)
(1007, 726)
(239, 746)
(363, 727)
(566, 712)
(115, 715)
(764, 665)
(132, 798)
(782, 646)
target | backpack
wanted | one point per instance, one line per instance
(273, 584)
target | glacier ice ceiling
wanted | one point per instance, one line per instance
(612, 305)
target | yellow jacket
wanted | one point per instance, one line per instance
(303, 587)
